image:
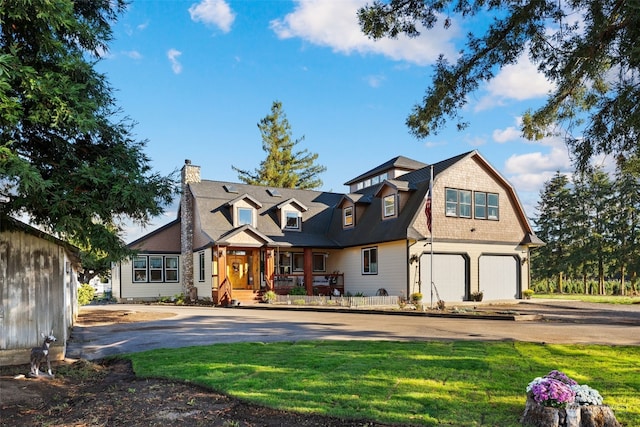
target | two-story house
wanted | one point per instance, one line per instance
(232, 239)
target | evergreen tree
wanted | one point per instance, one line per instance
(283, 167)
(625, 226)
(66, 160)
(553, 225)
(587, 48)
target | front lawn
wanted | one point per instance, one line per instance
(428, 383)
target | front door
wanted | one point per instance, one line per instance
(238, 270)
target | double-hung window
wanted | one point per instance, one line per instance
(140, 269)
(458, 203)
(348, 216)
(370, 261)
(492, 206)
(155, 268)
(389, 205)
(486, 205)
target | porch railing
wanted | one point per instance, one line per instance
(323, 283)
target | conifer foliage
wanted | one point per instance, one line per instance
(283, 167)
(588, 49)
(68, 159)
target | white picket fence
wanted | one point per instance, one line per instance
(341, 301)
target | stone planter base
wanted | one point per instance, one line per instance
(536, 415)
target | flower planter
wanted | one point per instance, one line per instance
(536, 415)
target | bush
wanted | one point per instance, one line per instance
(86, 293)
(298, 290)
(269, 297)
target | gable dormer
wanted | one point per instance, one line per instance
(352, 206)
(290, 214)
(394, 195)
(244, 210)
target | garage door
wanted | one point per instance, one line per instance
(499, 277)
(449, 275)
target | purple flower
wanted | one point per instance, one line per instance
(551, 392)
(561, 376)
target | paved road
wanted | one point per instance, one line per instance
(566, 322)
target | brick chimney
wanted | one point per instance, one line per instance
(190, 173)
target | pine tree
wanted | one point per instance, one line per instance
(553, 224)
(283, 167)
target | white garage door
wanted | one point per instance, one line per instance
(449, 276)
(499, 277)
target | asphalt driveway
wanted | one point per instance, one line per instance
(562, 322)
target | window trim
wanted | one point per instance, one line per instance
(389, 210)
(318, 255)
(239, 211)
(153, 269)
(291, 214)
(458, 203)
(369, 268)
(147, 269)
(347, 212)
(201, 267)
(488, 208)
(297, 261)
(477, 205)
(495, 217)
(140, 269)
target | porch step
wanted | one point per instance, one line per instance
(247, 297)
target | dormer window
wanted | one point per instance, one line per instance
(243, 209)
(245, 216)
(348, 216)
(389, 205)
(290, 212)
(292, 221)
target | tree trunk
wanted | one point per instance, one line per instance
(536, 415)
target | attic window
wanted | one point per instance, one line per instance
(292, 221)
(389, 206)
(274, 192)
(230, 188)
(347, 220)
(245, 216)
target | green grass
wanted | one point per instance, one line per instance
(428, 383)
(605, 299)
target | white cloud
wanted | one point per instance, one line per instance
(173, 56)
(213, 12)
(133, 54)
(505, 135)
(335, 24)
(520, 81)
(529, 171)
(375, 80)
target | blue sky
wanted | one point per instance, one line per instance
(198, 75)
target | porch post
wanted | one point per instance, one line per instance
(224, 290)
(269, 263)
(308, 271)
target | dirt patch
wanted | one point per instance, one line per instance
(108, 317)
(108, 393)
